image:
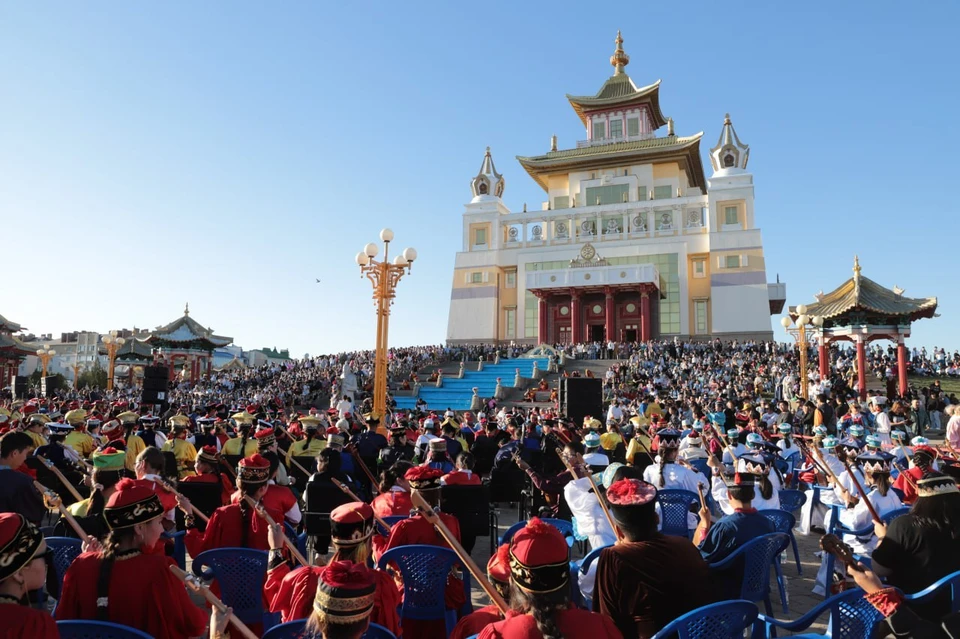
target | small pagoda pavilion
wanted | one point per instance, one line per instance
(185, 344)
(861, 311)
(12, 351)
(134, 355)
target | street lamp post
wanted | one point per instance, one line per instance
(384, 276)
(802, 321)
(45, 354)
(112, 342)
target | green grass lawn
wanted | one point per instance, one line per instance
(948, 384)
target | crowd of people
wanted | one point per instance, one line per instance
(724, 421)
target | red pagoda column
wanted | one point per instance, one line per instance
(902, 366)
(542, 319)
(824, 359)
(645, 316)
(576, 319)
(610, 318)
(862, 368)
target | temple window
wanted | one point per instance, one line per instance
(633, 127)
(731, 261)
(730, 215)
(662, 192)
(616, 128)
(599, 130)
(480, 236)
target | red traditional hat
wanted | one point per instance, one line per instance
(631, 492)
(133, 502)
(111, 428)
(266, 438)
(74, 405)
(345, 593)
(28, 409)
(423, 477)
(498, 568)
(253, 469)
(20, 541)
(351, 524)
(253, 409)
(539, 559)
(209, 455)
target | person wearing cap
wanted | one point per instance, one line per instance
(370, 442)
(79, 440)
(109, 467)
(923, 546)
(668, 474)
(639, 446)
(923, 461)
(235, 525)
(498, 574)
(344, 601)
(691, 447)
(243, 444)
(397, 449)
(35, 425)
(758, 465)
(23, 568)
(437, 456)
(133, 444)
(786, 444)
(463, 474)
(421, 446)
(148, 431)
(121, 582)
(900, 450)
(279, 500)
(418, 530)
(648, 579)
(291, 592)
(206, 436)
(17, 494)
(540, 582)
(207, 467)
(592, 456)
(183, 450)
(612, 441)
(848, 449)
(552, 487)
(312, 443)
(720, 539)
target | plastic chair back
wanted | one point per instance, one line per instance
(511, 531)
(701, 466)
(65, 550)
(951, 581)
(674, 506)
(179, 547)
(893, 514)
(98, 630)
(424, 570)
(240, 573)
(725, 620)
(564, 526)
(792, 500)
(782, 520)
(757, 555)
(851, 616)
(290, 630)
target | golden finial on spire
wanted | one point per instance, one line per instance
(619, 59)
(856, 266)
(186, 309)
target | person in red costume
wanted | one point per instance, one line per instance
(920, 463)
(278, 501)
(540, 584)
(122, 584)
(207, 466)
(498, 572)
(22, 569)
(236, 525)
(417, 530)
(463, 475)
(346, 595)
(394, 497)
(292, 592)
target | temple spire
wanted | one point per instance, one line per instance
(186, 309)
(487, 182)
(856, 273)
(619, 59)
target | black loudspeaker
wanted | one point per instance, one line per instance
(582, 396)
(155, 378)
(19, 386)
(49, 386)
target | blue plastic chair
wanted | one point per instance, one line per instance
(701, 466)
(179, 547)
(756, 556)
(952, 581)
(294, 630)
(65, 550)
(98, 630)
(240, 573)
(792, 500)
(839, 529)
(785, 522)
(424, 570)
(851, 617)
(725, 620)
(674, 506)
(581, 568)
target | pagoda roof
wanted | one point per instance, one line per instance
(683, 150)
(620, 91)
(9, 327)
(234, 364)
(134, 349)
(863, 294)
(184, 332)
(10, 345)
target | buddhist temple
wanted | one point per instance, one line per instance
(633, 241)
(861, 311)
(186, 347)
(12, 351)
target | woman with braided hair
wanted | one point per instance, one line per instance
(121, 583)
(540, 589)
(207, 467)
(394, 497)
(667, 473)
(922, 461)
(243, 445)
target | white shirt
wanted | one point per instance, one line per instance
(882, 422)
(344, 406)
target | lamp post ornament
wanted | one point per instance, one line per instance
(801, 335)
(45, 354)
(384, 276)
(112, 342)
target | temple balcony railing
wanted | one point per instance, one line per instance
(582, 144)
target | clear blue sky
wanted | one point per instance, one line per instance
(228, 154)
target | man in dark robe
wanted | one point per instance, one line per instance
(648, 579)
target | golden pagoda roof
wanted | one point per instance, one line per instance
(184, 331)
(683, 150)
(863, 294)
